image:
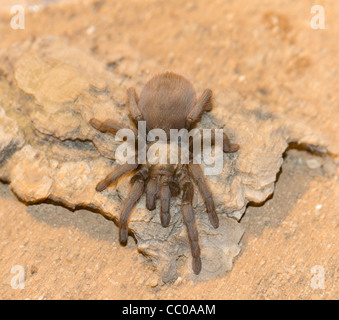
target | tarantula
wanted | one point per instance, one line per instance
(167, 101)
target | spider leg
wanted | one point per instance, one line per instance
(174, 187)
(114, 175)
(165, 198)
(152, 190)
(189, 221)
(228, 147)
(138, 181)
(133, 105)
(204, 103)
(198, 176)
(109, 126)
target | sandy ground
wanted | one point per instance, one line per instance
(263, 49)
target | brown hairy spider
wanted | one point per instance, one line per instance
(167, 101)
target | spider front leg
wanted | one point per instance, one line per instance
(152, 190)
(189, 219)
(165, 199)
(204, 103)
(133, 105)
(162, 184)
(138, 181)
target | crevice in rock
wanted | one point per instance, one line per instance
(292, 182)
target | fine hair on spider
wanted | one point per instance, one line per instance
(167, 101)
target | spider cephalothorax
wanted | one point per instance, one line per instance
(167, 101)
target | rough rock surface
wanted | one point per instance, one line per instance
(49, 92)
(11, 138)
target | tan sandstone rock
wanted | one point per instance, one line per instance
(58, 88)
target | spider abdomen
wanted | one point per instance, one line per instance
(166, 100)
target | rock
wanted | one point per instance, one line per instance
(314, 163)
(329, 167)
(11, 138)
(59, 88)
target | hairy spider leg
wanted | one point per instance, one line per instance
(165, 199)
(114, 175)
(189, 219)
(228, 147)
(138, 181)
(160, 185)
(152, 191)
(108, 126)
(204, 103)
(133, 105)
(197, 174)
